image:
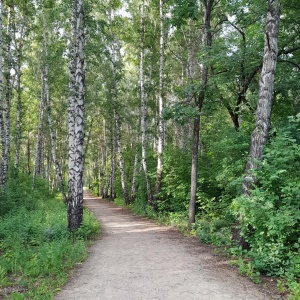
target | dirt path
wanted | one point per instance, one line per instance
(136, 260)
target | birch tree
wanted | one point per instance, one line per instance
(48, 106)
(114, 59)
(135, 164)
(143, 103)
(39, 153)
(6, 106)
(160, 100)
(1, 94)
(76, 113)
(19, 103)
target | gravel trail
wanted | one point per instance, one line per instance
(136, 259)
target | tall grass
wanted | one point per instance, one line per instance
(36, 250)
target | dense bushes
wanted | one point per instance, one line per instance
(270, 217)
(36, 249)
(273, 210)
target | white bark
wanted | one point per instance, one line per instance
(135, 165)
(71, 103)
(75, 200)
(114, 58)
(48, 105)
(8, 93)
(112, 178)
(102, 172)
(144, 105)
(2, 130)
(19, 108)
(39, 157)
(159, 167)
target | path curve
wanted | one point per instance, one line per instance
(136, 259)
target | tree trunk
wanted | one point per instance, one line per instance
(144, 106)
(39, 155)
(71, 105)
(159, 168)
(206, 42)
(88, 140)
(48, 166)
(8, 95)
(101, 180)
(135, 165)
(75, 197)
(263, 112)
(49, 115)
(19, 109)
(28, 154)
(102, 171)
(2, 130)
(194, 171)
(112, 178)
(114, 59)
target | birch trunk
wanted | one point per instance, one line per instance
(48, 106)
(75, 209)
(135, 165)
(28, 153)
(263, 112)
(206, 42)
(39, 158)
(112, 179)
(159, 168)
(48, 167)
(118, 134)
(8, 95)
(102, 172)
(71, 103)
(1, 95)
(19, 109)
(114, 60)
(102, 177)
(143, 105)
(88, 139)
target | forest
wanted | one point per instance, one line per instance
(185, 111)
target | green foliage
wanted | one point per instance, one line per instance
(174, 195)
(270, 216)
(180, 113)
(183, 10)
(246, 268)
(217, 232)
(294, 288)
(140, 205)
(37, 250)
(19, 193)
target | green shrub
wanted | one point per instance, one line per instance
(270, 216)
(37, 250)
(174, 196)
(217, 232)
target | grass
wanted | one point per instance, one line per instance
(37, 253)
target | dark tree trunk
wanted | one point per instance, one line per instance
(263, 112)
(207, 41)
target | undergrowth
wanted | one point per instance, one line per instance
(37, 252)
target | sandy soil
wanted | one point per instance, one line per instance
(136, 259)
